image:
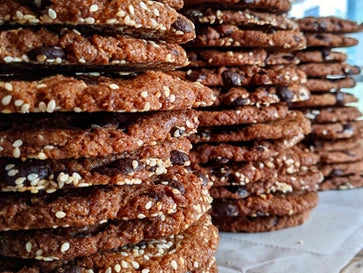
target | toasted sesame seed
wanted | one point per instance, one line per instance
(174, 264)
(28, 247)
(146, 270)
(9, 167)
(13, 172)
(93, 8)
(131, 9)
(148, 205)
(8, 59)
(18, 143)
(20, 181)
(196, 264)
(19, 103)
(143, 6)
(108, 270)
(16, 152)
(135, 264)
(124, 264)
(172, 98)
(114, 86)
(117, 268)
(60, 214)
(51, 106)
(144, 94)
(65, 247)
(39, 252)
(8, 86)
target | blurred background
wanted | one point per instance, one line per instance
(349, 9)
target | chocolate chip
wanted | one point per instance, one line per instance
(285, 94)
(219, 161)
(337, 172)
(177, 185)
(322, 37)
(69, 269)
(322, 26)
(239, 190)
(232, 78)
(49, 52)
(177, 132)
(203, 177)
(89, 80)
(260, 214)
(224, 209)
(347, 127)
(288, 57)
(297, 38)
(183, 25)
(178, 158)
(40, 169)
(260, 148)
(239, 101)
(195, 76)
(339, 96)
(121, 166)
(325, 53)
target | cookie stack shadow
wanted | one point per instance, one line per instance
(246, 142)
(336, 131)
(95, 169)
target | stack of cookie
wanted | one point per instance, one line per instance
(246, 141)
(337, 134)
(95, 172)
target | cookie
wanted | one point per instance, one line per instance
(69, 50)
(342, 169)
(259, 224)
(149, 91)
(243, 151)
(321, 70)
(232, 36)
(321, 85)
(333, 145)
(178, 253)
(248, 75)
(294, 124)
(327, 99)
(89, 240)
(348, 155)
(342, 183)
(71, 135)
(129, 168)
(333, 114)
(225, 172)
(266, 205)
(90, 206)
(260, 96)
(259, 57)
(205, 15)
(274, 6)
(329, 40)
(328, 24)
(337, 130)
(321, 56)
(281, 184)
(242, 115)
(150, 19)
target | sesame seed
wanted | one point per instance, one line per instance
(16, 152)
(9, 167)
(51, 106)
(8, 59)
(39, 252)
(156, 12)
(90, 20)
(145, 270)
(143, 6)
(19, 103)
(18, 143)
(131, 9)
(6, 100)
(135, 264)
(13, 172)
(196, 265)
(60, 214)
(148, 205)
(28, 247)
(135, 164)
(124, 264)
(121, 13)
(108, 270)
(52, 14)
(172, 98)
(144, 94)
(141, 216)
(65, 247)
(93, 8)
(174, 264)
(117, 268)
(8, 86)
(20, 181)
(114, 86)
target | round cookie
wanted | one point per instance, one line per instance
(242, 115)
(248, 75)
(90, 206)
(344, 156)
(70, 243)
(333, 114)
(327, 99)
(281, 184)
(322, 70)
(246, 18)
(342, 169)
(259, 224)
(260, 96)
(266, 205)
(232, 36)
(245, 151)
(149, 91)
(320, 56)
(70, 51)
(129, 168)
(71, 135)
(336, 130)
(333, 145)
(197, 245)
(328, 24)
(273, 6)
(294, 124)
(150, 19)
(342, 183)
(325, 85)
(259, 57)
(329, 40)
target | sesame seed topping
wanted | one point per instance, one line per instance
(89, 20)
(13, 172)
(16, 152)
(114, 86)
(65, 247)
(93, 8)
(60, 214)
(117, 268)
(135, 264)
(108, 270)
(174, 264)
(124, 264)
(28, 247)
(8, 86)
(51, 106)
(145, 270)
(6, 100)
(18, 143)
(148, 205)
(144, 94)
(19, 103)
(9, 167)
(52, 14)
